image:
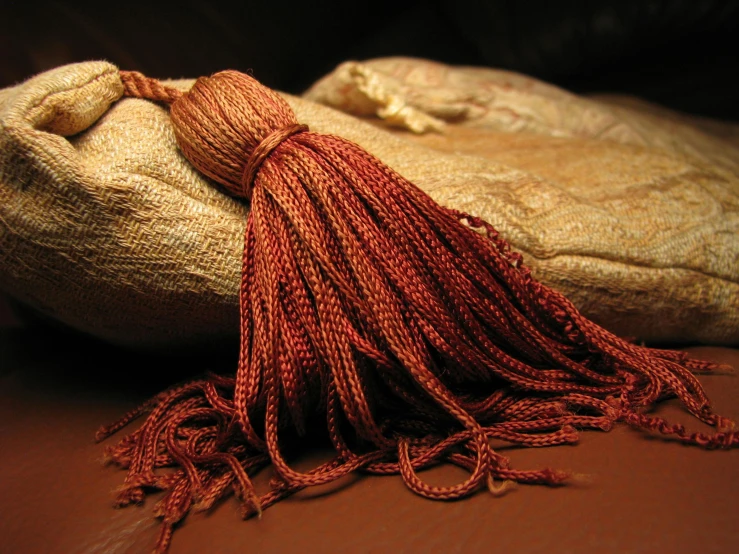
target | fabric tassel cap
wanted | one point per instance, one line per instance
(411, 334)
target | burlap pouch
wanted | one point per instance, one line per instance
(106, 227)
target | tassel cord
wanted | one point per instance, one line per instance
(412, 330)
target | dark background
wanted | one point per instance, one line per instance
(680, 53)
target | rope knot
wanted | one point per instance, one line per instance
(263, 150)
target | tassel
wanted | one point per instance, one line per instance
(411, 332)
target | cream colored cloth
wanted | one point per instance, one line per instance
(106, 227)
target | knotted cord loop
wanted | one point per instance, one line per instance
(263, 151)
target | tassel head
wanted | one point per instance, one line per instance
(222, 120)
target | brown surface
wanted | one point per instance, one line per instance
(645, 495)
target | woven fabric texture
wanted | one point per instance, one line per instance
(106, 227)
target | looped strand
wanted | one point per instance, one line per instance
(268, 145)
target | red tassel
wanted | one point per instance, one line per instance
(412, 329)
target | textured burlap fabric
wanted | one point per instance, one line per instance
(106, 227)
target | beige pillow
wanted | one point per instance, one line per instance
(106, 227)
